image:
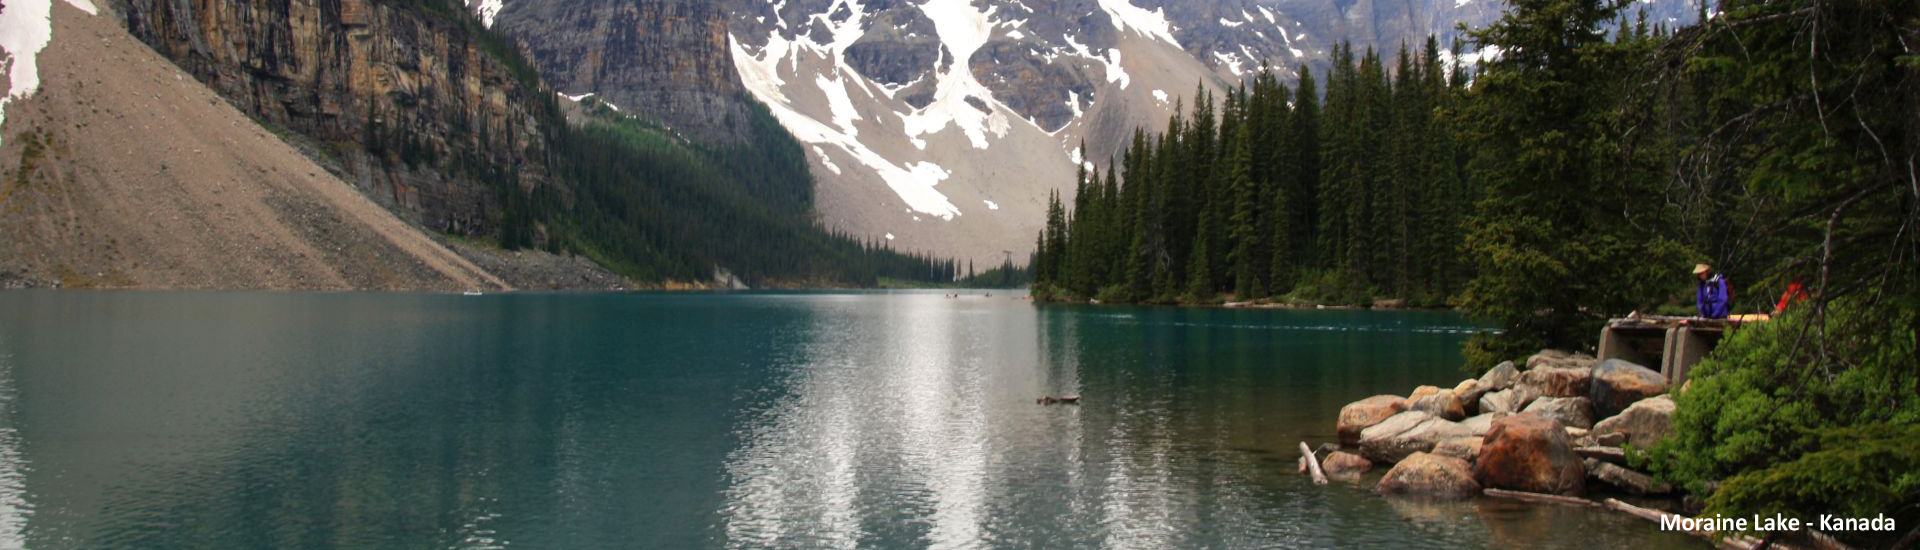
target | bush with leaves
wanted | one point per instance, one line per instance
(1804, 415)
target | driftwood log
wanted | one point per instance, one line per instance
(1539, 497)
(1313, 464)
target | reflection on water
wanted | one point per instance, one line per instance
(14, 508)
(192, 420)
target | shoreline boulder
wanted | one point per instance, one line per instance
(1362, 414)
(1468, 393)
(1500, 377)
(1573, 412)
(1429, 475)
(1529, 452)
(1407, 433)
(1481, 423)
(1463, 448)
(1617, 384)
(1553, 381)
(1510, 400)
(1443, 404)
(1418, 393)
(1344, 464)
(1559, 359)
(1642, 424)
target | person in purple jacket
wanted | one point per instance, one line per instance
(1714, 296)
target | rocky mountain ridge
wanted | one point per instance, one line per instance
(668, 59)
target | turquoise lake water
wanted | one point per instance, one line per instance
(871, 420)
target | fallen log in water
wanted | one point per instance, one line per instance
(1313, 464)
(1729, 542)
(1606, 454)
(1539, 497)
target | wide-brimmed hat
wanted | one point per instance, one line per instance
(1701, 268)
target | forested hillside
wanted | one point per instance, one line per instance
(1577, 177)
(1275, 192)
(655, 206)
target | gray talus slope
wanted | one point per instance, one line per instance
(122, 171)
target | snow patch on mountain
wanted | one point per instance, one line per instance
(1127, 16)
(486, 9)
(1115, 73)
(913, 182)
(1230, 61)
(26, 26)
(963, 29)
(840, 103)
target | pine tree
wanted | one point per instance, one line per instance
(1243, 226)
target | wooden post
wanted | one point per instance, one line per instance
(1313, 464)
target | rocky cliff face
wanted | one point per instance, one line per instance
(419, 112)
(664, 58)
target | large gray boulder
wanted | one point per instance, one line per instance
(1617, 384)
(1559, 359)
(1500, 377)
(1483, 422)
(1555, 381)
(1574, 412)
(1407, 433)
(1510, 400)
(1420, 392)
(1431, 476)
(1529, 452)
(1468, 393)
(1360, 415)
(1641, 425)
(1463, 448)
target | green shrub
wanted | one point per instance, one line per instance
(1803, 417)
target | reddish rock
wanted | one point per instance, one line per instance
(1430, 475)
(1529, 452)
(1342, 463)
(1617, 384)
(1363, 414)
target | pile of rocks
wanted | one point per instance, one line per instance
(1547, 429)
